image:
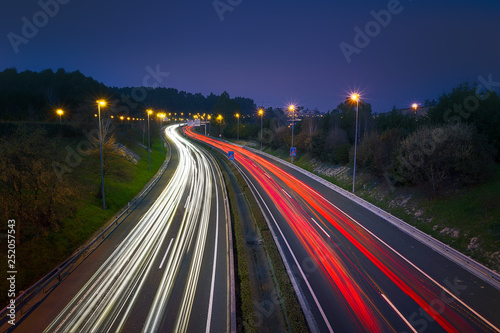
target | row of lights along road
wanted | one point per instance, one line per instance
(354, 97)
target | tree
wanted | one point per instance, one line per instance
(30, 191)
(395, 119)
(247, 105)
(226, 106)
(377, 152)
(467, 105)
(445, 156)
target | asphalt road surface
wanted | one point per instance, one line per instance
(166, 271)
(354, 271)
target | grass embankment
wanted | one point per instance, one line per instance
(38, 255)
(467, 219)
(244, 291)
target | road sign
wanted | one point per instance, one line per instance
(230, 155)
(293, 151)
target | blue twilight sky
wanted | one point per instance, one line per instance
(275, 52)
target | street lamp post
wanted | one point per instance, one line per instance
(261, 114)
(219, 120)
(99, 104)
(292, 109)
(60, 112)
(238, 117)
(149, 139)
(355, 98)
(209, 117)
(415, 107)
(162, 117)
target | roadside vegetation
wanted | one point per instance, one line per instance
(55, 211)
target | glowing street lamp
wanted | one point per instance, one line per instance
(355, 98)
(291, 108)
(162, 117)
(60, 112)
(415, 107)
(219, 120)
(150, 112)
(261, 114)
(102, 103)
(238, 117)
(209, 126)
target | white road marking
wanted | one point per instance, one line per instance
(399, 314)
(286, 193)
(165, 256)
(210, 304)
(321, 228)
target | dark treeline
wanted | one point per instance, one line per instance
(455, 144)
(34, 96)
(172, 100)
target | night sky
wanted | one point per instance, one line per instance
(275, 52)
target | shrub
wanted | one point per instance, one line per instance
(446, 156)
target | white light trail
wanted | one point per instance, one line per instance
(109, 296)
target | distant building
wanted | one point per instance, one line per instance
(309, 113)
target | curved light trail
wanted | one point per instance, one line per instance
(354, 279)
(107, 300)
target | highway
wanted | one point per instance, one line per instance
(170, 271)
(354, 271)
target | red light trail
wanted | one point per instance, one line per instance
(334, 264)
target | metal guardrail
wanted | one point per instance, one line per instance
(50, 281)
(484, 273)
